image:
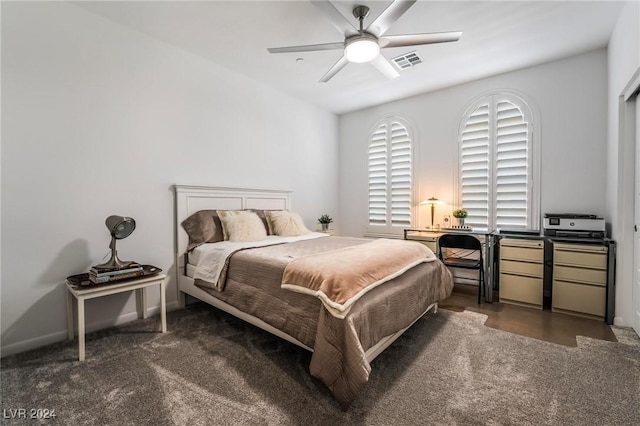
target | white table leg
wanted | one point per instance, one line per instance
(141, 303)
(70, 315)
(138, 310)
(80, 328)
(163, 306)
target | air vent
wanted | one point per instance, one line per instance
(407, 60)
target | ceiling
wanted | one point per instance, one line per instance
(498, 36)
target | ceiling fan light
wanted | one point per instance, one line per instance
(361, 50)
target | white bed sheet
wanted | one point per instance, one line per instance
(207, 260)
(190, 269)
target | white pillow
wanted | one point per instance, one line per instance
(241, 225)
(285, 224)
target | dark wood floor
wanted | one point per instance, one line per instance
(539, 324)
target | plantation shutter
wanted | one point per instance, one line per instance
(511, 166)
(494, 166)
(390, 176)
(474, 168)
(378, 177)
(400, 176)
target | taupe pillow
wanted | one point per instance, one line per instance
(285, 224)
(203, 226)
(242, 225)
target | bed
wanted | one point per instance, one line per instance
(270, 285)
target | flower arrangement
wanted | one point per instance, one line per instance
(460, 213)
(325, 219)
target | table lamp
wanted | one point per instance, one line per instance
(120, 227)
(431, 202)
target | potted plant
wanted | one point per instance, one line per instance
(325, 220)
(460, 214)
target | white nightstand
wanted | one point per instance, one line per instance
(83, 293)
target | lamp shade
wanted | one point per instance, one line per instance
(361, 49)
(431, 202)
(119, 226)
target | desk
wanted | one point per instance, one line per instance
(83, 293)
(429, 238)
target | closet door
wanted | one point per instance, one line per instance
(635, 292)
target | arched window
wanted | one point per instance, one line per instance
(497, 177)
(390, 160)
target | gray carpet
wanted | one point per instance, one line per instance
(211, 369)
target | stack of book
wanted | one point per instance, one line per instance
(101, 275)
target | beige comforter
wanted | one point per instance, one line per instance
(340, 277)
(339, 359)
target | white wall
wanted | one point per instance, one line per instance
(99, 120)
(571, 98)
(623, 62)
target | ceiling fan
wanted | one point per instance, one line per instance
(364, 44)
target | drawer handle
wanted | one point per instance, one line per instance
(513, 274)
(578, 266)
(590, 284)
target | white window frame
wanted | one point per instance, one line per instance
(531, 116)
(388, 229)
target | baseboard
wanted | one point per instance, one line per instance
(173, 306)
(29, 344)
(59, 336)
(619, 321)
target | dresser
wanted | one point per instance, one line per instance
(580, 275)
(522, 272)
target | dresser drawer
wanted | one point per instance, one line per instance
(580, 275)
(515, 288)
(529, 254)
(580, 298)
(589, 257)
(433, 245)
(521, 268)
(519, 242)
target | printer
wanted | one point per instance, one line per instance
(574, 226)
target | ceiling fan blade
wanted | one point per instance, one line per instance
(417, 39)
(338, 20)
(390, 15)
(342, 62)
(307, 48)
(384, 66)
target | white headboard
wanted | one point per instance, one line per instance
(190, 199)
